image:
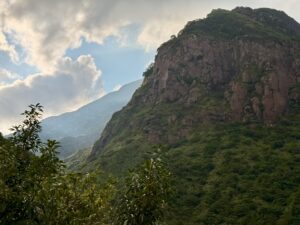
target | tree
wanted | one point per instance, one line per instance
(74, 198)
(24, 162)
(146, 193)
(35, 187)
(149, 70)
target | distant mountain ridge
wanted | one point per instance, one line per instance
(80, 129)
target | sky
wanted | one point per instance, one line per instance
(67, 53)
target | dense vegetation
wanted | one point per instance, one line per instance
(152, 180)
(239, 174)
(232, 173)
(35, 188)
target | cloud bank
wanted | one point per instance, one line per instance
(46, 29)
(73, 83)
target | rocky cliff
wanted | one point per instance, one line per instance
(240, 65)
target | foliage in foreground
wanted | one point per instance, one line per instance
(147, 189)
(36, 189)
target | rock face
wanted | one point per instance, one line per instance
(255, 78)
(234, 66)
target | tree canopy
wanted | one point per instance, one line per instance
(36, 188)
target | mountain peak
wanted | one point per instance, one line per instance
(218, 97)
(243, 23)
(233, 66)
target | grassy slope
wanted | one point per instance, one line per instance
(238, 174)
(227, 174)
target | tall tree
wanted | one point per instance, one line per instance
(146, 193)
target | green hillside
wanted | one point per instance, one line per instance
(227, 174)
(238, 174)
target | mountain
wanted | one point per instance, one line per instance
(81, 128)
(221, 101)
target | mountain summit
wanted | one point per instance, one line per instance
(240, 65)
(218, 97)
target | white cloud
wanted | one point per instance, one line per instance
(7, 77)
(74, 83)
(46, 29)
